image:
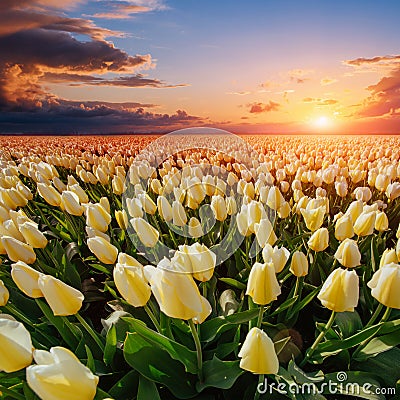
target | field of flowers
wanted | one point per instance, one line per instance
(199, 266)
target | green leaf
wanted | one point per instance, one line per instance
(90, 359)
(147, 390)
(29, 393)
(211, 328)
(286, 304)
(176, 350)
(126, 387)
(234, 283)
(348, 322)
(302, 377)
(379, 345)
(111, 345)
(157, 365)
(219, 374)
(301, 304)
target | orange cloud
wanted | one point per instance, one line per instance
(256, 108)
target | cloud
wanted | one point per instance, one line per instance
(127, 9)
(327, 81)
(387, 61)
(300, 75)
(256, 108)
(241, 93)
(320, 102)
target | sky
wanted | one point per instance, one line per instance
(148, 66)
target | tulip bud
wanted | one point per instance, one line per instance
(365, 223)
(265, 233)
(26, 279)
(275, 198)
(49, 194)
(59, 369)
(319, 240)
(348, 254)
(231, 206)
(17, 250)
(4, 294)
(104, 202)
(381, 182)
(313, 218)
(340, 290)
(164, 208)
(175, 291)
(134, 207)
(147, 234)
(284, 210)
(389, 256)
(122, 219)
(70, 203)
(205, 312)
(130, 281)
(118, 185)
(102, 249)
(75, 188)
(344, 228)
(277, 256)
(15, 344)
(32, 235)
(341, 188)
(393, 190)
(355, 209)
(148, 204)
(179, 217)
(381, 222)
(385, 285)
(62, 298)
(299, 264)
(97, 217)
(195, 229)
(218, 206)
(258, 353)
(262, 286)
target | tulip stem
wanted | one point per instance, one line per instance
(11, 393)
(375, 315)
(260, 316)
(322, 334)
(198, 350)
(153, 318)
(90, 331)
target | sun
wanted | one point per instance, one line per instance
(322, 122)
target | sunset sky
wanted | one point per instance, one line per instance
(94, 66)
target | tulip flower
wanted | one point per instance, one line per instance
(122, 219)
(284, 210)
(15, 345)
(148, 204)
(381, 222)
(393, 190)
(62, 298)
(70, 203)
(299, 264)
(134, 207)
(344, 228)
(32, 235)
(262, 286)
(179, 217)
(102, 249)
(49, 194)
(265, 233)
(195, 228)
(218, 206)
(381, 182)
(231, 206)
(147, 234)
(18, 251)
(26, 279)
(385, 285)
(365, 223)
(277, 256)
(319, 240)
(340, 290)
(175, 291)
(313, 218)
(196, 259)
(130, 281)
(205, 312)
(164, 208)
(97, 217)
(59, 375)
(355, 209)
(4, 294)
(348, 254)
(118, 185)
(275, 198)
(77, 189)
(258, 353)
(388, 256)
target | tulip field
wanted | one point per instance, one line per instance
(199, 265)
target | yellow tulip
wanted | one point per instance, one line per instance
(164, 208)
(262, 286)
(97, 217)
(179, 217)
(381, 222)
(4, 294)
(258, 353)
(344, 228)
(134, 207)
(284, 210)
(218, 206)
(388, 256)
(340, 290)
(196, 259)
(313, 218)
(32, 235)
(70, 203)
(385, 285)
(175, 291)
(118, 184)
(205, 312)
(148, 204)
(231, 206)
(265, 233)
(319, 240)
(26, 279)
(299, 264)
(147, 234)
(277, 256)
(122, 219)
(348, 253)
(17, 250)
(195, 228)
(77, 189)
(105, 204)
(355, 209)
(103, 249)
(62, 298)
(275, 198)
(130, 281)
(59, 375)
(365, 223)
(15, 345)
(393, 190)
(381, 182)
(49, 194)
